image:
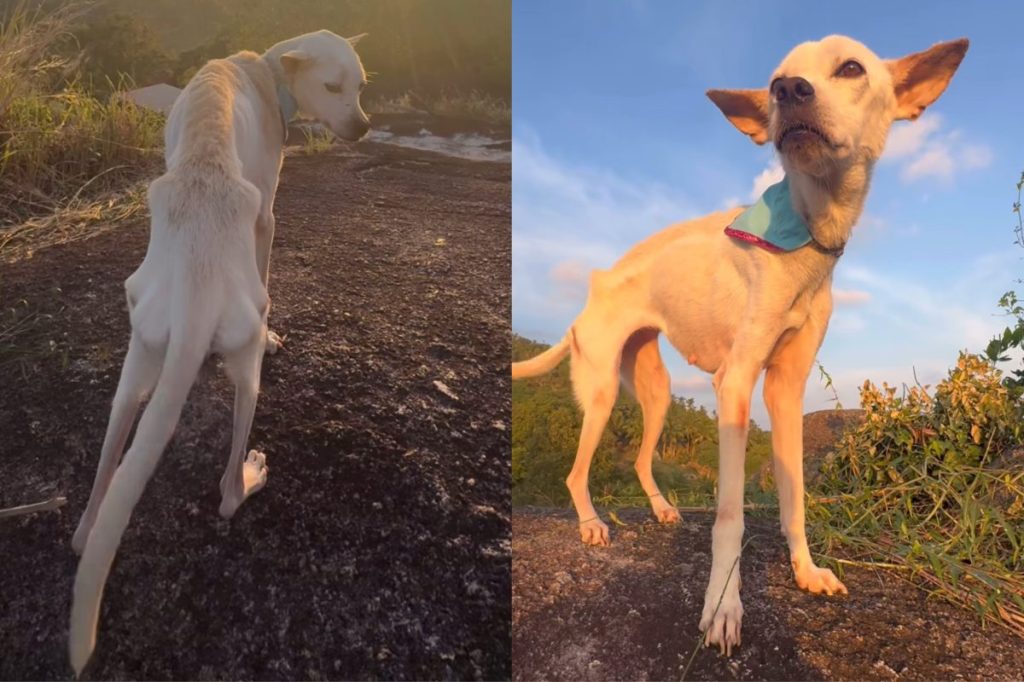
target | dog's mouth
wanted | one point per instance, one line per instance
(802, 132)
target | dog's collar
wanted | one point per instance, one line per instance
(772, 224)
(289, 107)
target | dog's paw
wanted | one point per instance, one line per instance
(594, 532)
(274, 343)
(721, 622)
(663, 511)
(254, 477)
(819, 581)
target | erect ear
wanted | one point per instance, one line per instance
(745, 109)
(354, 40)
(920, 78)
(293, 60)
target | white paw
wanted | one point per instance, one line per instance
(594, 532)
(664, 512)
(819, 581)
(274, 343)
(254, 477)
(721, 620)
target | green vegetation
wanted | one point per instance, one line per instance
(61, 147)
(933, 486)
(545, 429)
(1012, 338)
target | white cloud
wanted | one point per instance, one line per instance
(925, 150)
(907, 138)
(766, 178)
(976, 156)
(570, 279)
(850, 297)
(569, 219)
(691, 384)
(937, 162)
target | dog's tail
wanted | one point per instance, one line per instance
(545, 362)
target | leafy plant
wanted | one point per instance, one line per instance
(1012, 338)
(932, 485)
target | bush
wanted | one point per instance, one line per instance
(932, 485)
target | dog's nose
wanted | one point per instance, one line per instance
(792, 90)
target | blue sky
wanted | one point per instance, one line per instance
(614, 139)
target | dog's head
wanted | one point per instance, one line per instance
(830, 103)
(324, 75)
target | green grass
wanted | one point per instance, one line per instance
(317, 141)
(929, 486)
(61, 148)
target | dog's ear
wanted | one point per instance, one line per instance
(745, 109)
(920, 78)
(293, 60)
(354, 40)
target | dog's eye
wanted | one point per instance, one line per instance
(850, 69)
(333, 87)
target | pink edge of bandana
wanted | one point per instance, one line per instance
(752, 239)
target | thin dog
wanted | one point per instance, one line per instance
(745, 291)
(202, 287)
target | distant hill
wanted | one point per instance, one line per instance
(545, 428)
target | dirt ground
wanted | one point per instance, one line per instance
(380, 547)
(631, 611)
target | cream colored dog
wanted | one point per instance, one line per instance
(202, 287)
(734, 309)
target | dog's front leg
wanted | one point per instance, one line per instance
(783, 396)
(264, 242)
(723, 610)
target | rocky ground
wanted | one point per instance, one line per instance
(380, 545)
(630, 612)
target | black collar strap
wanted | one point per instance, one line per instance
(835, 251)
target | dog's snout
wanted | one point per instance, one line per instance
(792, 90)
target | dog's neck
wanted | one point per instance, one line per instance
(831, 206)
(285, 99)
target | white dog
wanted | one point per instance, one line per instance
(202, 286)
(747, 290)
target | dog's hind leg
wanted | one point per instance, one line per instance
(645, 376)
(138, 376)
(596, 386)
(245, 474)
(264, 241)
(783, 396)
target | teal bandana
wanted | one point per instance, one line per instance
(771, 223)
